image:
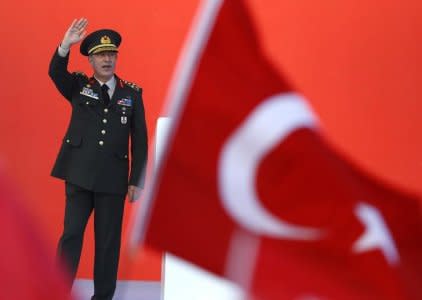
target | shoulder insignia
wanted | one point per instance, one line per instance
(81, 74)
(132, 85)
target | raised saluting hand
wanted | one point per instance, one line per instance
(75, 33)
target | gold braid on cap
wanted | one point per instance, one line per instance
(105, 43)
(111, 47)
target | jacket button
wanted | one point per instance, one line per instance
(68, 141)
(106, 110)
(103, 131)
(101, 143)
(126, 156)
(104, 121)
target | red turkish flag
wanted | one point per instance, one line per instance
(249, 189)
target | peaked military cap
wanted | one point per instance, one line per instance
(99, 41)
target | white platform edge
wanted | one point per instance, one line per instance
(83, 289)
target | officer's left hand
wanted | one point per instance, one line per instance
(133, 193)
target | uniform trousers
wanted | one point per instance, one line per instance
(108, 213)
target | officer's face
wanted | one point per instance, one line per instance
(104, 64)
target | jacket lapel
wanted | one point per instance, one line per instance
(95, 85)
(96, 107)
(118, 91)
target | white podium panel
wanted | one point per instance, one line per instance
(184, 281)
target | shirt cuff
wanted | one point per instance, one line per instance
(62, 51)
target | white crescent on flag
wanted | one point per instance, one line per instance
(271, 122)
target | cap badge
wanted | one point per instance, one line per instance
(105, 40)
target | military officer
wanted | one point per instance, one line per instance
(94, 159)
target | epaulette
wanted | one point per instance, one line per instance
(82, 74)
(132, 85)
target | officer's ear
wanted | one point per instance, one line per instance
(90, 60)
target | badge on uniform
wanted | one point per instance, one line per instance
(125, 102)
(89, 93)
(123, 119)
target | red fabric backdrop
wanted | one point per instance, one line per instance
(357, 62)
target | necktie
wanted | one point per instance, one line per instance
(106, 97)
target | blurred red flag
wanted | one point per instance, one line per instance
(27, 268)
(249, 189)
